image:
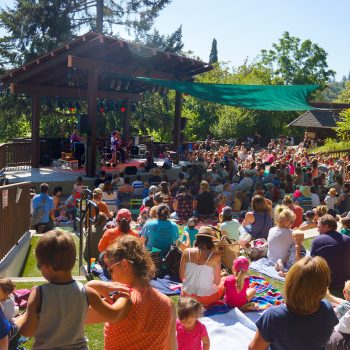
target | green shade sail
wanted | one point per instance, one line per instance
(260, 97)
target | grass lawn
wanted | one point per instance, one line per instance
(30, 269)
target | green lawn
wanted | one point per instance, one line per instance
(30, 269)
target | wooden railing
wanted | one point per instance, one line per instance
(335, 154)
(14, 215)
(14, 154)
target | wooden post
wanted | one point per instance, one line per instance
(35, 131)
(92, 115)
(177, 121)
(126, 121)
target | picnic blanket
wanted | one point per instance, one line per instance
(164, 285)
(167, 286)
(266, 294)
(229, 331)
(265, 267)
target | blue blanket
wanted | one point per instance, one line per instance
(266, 268)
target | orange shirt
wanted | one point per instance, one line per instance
(147, 325)
(298, 211)
(110, 236)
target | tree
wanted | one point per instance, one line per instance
(169, 43)
(343, 125)
(292, 61)
(344, 96)
(36, 27)
(213, 57)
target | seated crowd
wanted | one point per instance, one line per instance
(274, 194)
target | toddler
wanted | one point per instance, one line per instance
(189, 234)
(345, 230)
(237, 291)
(190, 332)
(343, 305)
(7, 302)
(143, 217)
(309, 218)
(8, 311)
(331, 198)
(57, 310)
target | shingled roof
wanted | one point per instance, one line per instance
(318, 118)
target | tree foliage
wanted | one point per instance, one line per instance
(343, 125)
(344, 96)
(292, 61)
(213, 57)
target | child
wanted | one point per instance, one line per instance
(229, 226)
(237, 291)
(8, 311)
(343, 305)
(143, 217)
(331, 199)
(309, 218)
(190, 333)
(345, 230)
(57, 310)
(190, 232)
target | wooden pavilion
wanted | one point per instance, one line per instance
(320, 123)
(103, 68)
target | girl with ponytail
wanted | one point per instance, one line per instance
(123, 228)
(237, 291)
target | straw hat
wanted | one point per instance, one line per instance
(305, 191)
(206, 231)
(332, 191)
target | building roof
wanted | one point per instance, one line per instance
(320, 118)
(114, 59)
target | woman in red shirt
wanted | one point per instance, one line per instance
(123, 228)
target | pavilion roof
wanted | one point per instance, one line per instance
(62, 72)
(320, 118)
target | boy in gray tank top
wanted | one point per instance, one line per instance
(57, 310)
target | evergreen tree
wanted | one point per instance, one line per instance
(36, 27)
(213, 57)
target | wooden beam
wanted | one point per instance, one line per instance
(36, 104)
(19, 75)
(92, 115)
(106, 67)
(177, 121)
(52, 91)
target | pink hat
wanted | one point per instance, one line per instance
(144, 210)
(241, 264)
(123, 214)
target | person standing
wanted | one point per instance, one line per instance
(43, 210)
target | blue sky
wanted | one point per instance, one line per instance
(243, 28)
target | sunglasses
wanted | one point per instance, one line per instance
(110, 268)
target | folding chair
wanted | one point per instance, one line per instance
(134, 206)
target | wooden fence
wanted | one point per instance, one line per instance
(14, 215)
(335, 154)
(15, 154)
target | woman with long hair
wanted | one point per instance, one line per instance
(283, 326)
(257, 222)
(200, 269)
(109, 196)
(123, 228)
(148, 317)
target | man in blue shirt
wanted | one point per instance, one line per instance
(43, 213)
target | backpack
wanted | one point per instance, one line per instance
(39, 212)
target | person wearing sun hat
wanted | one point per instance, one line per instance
(123, 228)
(200, 269)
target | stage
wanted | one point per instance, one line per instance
(56, 176)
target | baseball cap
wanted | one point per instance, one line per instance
(226, 211)
(123, 214)
(241, 264)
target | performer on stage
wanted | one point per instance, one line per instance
(77, 146)
(116, 147)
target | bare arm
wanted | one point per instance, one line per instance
(258, 343)
(4, 343)
(175, 204)
(183, 261)
(217, 270)
(194, 204)
(171, 342)
(249, 219)
(110, 312)
(206, 343)
(28, 322)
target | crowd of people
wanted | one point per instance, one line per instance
(269, 195)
